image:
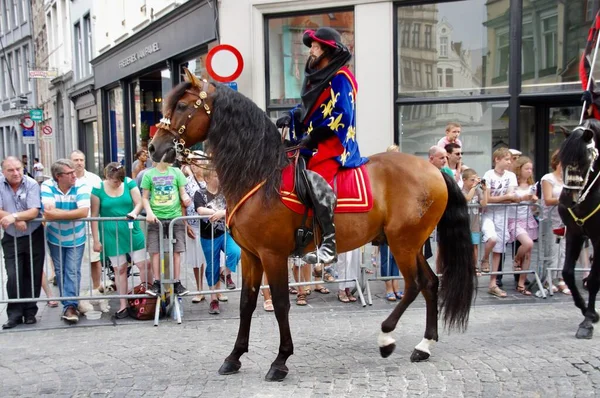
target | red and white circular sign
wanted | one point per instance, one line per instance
(27, 123)
(224, 63)
(47, 130)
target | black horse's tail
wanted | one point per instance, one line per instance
(455, 253)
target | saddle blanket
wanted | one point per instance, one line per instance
(351, 186)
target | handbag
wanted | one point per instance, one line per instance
(144, 308)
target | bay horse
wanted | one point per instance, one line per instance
(410, 197)
(579, 209)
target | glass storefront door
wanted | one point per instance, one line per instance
(94, 150)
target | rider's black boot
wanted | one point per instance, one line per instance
(324, 202)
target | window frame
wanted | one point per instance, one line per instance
(270, 108)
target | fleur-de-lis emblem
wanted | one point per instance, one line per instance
(310, 128)
(335, 123)
(351, 94)
(344, 157)
(350, 136)
(327, 109)
(334, 96)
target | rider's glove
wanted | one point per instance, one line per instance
(284, 121)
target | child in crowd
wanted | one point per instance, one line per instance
(522, 226)
(477, 194)
(452, 132)
(164, 194)
(502, 184)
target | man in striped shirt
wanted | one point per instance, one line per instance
(64, 200)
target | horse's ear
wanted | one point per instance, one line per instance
(191, 78)
(566, 132)
(587, 135)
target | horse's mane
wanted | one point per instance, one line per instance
(573, 150)
(246, 146)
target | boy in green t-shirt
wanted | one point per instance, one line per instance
(164, 193)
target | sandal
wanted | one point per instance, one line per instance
(485, 266)
(523, 290)
(122, 314)
(293, 290)
(563, 288)
(517, 266)
(327, 277)
(301, 299)
(399, 295)
(307, 291)
(477, 272)
(496, 291)
(342, 297)
(351, 298)
(268, 305)
(390, 297)
(322, 290)
(198, 298)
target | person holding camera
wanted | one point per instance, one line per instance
(477, 195)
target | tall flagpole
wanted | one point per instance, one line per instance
(589, 83)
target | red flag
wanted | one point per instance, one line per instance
(585, 69)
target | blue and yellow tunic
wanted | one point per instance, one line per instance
(335, 110)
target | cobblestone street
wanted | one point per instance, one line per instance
(508, 351)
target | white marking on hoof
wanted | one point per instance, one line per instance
(424, 345)
(385, 339)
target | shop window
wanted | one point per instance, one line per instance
(464, 37)
(554, 33)
(115, 123)
(196, 65)
(287, 55)
(484, 129)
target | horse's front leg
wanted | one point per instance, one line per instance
(277, 272)
(574, 244)
(252, 272)
(586, 327)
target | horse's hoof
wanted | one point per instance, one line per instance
(585, 332)
(596, 317)
(275, 374)
(230, 367)
(387, 350)
(419, 356)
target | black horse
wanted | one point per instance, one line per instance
(579, 209)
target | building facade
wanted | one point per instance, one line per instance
(422, 64)
(141, 55)
(17, 93)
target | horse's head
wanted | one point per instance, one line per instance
(186, 120)
(579, 154)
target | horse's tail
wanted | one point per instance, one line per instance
(455, 258)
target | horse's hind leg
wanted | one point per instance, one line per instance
(408, 268)
(428, 282)
(252, 272)
(277, 273)
(586, 328)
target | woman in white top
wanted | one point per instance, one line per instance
(522, 226)
(552, 184)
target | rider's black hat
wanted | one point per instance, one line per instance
(326, 36)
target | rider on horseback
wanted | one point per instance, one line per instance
(325, 126)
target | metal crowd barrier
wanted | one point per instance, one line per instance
(505, 210)
(47, 261)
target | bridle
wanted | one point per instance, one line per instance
(165, 123)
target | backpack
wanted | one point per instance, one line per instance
(144, 308)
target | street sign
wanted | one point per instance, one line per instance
(28, 136)
(43, 74)
(47, 133)
(37, 115)
(224, 63)
(232, 85)
(27, 123)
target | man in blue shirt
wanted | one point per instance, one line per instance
(20, 202)
(66, 199)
